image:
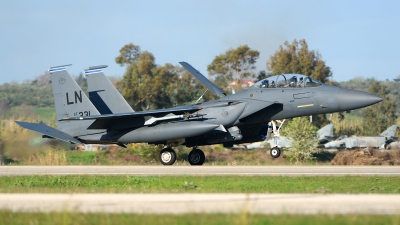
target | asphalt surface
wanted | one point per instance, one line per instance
(204, 203)
(203, 170)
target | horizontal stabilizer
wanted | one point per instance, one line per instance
(48, 131)
(212, 87)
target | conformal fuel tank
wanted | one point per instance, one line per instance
(166, 131)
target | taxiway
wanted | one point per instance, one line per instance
(204, 203)
(203, 170)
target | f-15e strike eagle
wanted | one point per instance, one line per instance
(106, 118)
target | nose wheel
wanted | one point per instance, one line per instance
(275, 152)
(196, 157)
(167, 156)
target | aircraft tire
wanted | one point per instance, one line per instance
(196, 157)
(275, 152)
(167, 156)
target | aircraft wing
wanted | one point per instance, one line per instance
(132, 119)
(212, 87)
(48, 131)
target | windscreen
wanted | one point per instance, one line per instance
(288, 81)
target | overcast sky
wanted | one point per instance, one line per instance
(355, 38)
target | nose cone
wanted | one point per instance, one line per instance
(352, 99)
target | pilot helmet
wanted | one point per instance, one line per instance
(293, 81)
(264, 83)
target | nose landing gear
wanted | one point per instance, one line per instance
(275, 152)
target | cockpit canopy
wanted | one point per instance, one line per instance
(288, 81)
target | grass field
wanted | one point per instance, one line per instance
(81, 158)
(67, 218)
(198, 184)
(46, 115)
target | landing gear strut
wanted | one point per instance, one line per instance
(196, 157)
(275, 152)
(167, 156)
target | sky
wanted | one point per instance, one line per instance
(355, 38)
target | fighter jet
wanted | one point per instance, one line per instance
(381, 141)
(233, 119)
(324, 134)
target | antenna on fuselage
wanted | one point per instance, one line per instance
(201, 96)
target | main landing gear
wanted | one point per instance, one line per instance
(168, 157)
(196, 157)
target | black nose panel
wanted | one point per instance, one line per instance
(352, 99)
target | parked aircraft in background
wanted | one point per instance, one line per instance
(381, 141)
(233, 119)
(324, 134)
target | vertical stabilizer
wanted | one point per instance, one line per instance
(70, 101)
(102, 93)
(390, 132)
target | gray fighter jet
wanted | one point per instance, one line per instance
(233, 119)
(382, 141)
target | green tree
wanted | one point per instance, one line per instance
(138, 86)
(146, 85)
(16, 94)
(262, 75)
(235, 65)
(128, 54)
(297, 58)
(304, 139)
(379, 117)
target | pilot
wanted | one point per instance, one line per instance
(265, 84)
(293, 81)
(272, 84)
(300, 82)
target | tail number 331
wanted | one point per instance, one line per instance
(84, 113)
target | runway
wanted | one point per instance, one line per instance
(204, 203)
(203, 170)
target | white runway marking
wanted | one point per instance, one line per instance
(204, 203)
(203, 170)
